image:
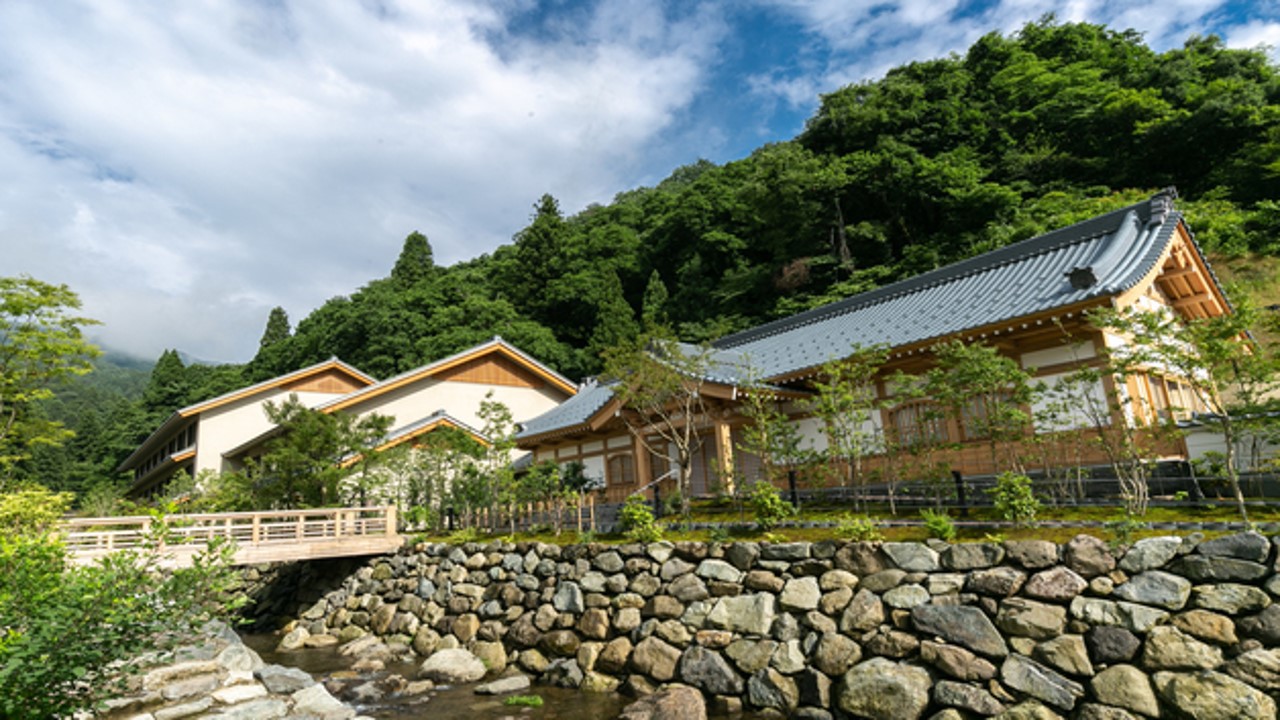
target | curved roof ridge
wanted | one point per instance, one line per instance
(1020, 251)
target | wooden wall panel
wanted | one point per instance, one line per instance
(492, 369)
(329, 381)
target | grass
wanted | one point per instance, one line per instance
(735, 527)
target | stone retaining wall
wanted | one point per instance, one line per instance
(1173, 627)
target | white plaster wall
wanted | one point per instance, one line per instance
(461, 400)
(1075, 418)
(1205, 439)
(1058, 355)
(812, 436)
(593, 467)
(231, 425)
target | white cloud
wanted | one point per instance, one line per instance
(1255, 34)
(866, 38)
(187, 169)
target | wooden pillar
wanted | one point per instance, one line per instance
(724, 455)
(642, 465)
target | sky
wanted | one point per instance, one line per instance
(185, 167)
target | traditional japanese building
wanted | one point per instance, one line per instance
(1029, 300)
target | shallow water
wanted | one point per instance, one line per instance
(445, 701)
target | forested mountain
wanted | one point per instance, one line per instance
(937, 161)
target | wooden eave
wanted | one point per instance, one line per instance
(431, 370)
(434, 425)
(1185, 279)
(274, 383)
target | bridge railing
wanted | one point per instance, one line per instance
(87, 538)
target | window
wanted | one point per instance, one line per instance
(621, 469)
(919, 422)
(975, 416)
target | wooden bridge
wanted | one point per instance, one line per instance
(259, 537)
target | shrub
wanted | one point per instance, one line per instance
(718, 534)
(1014, 499)
(939, 524)
(65, 629)
(858, 528)
(636, 519)
(769, 507)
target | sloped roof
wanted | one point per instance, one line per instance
(1026, 278)
(1112, 252)
(497, 344)
(430, 422)
(573, 413)
(175, 419)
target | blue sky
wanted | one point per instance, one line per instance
(185, 167)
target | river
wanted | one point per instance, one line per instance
(445, 702)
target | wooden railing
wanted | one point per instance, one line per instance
(273, 536)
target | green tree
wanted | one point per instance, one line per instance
(653, 308)
(416, 262)
(66, 631)
(845, 400)
(987, 395)
(277, 329)
(304, 466)
(499, 431)
(169, 387)
(1230, 375)
(41, 345)
(659, 383)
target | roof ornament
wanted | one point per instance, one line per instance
(1162, 204)
(1082, 277)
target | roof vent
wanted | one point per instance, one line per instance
(1082, 278)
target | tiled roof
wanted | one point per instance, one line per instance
(1108, 254)
(1015, 281)
(439, 415)
(575, 411)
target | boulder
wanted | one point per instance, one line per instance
(1230, 598)
(1250, 546)
(996, 582)
(1127, 687)
(960, 624)
(1088, 556)
(971, 556)
(707, 670)
(1208, 626)
(1202, 568)
(283, 680)
(912, 557)
(1057, 584)
(768, 688)
(1028, 676)
(956, 662)
(881, 689)
(655, 658)
(503, 686)
(1028, 618)
(1031, 554)
(1208, 695)
(1150, 554)
(966, 697)
(751, 614)
(1168, 648)
(1108, 645)
(1259, 668)
(1156, 587)
(675, 702)
(800, 594)
(451, 667)
(1067, 653)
